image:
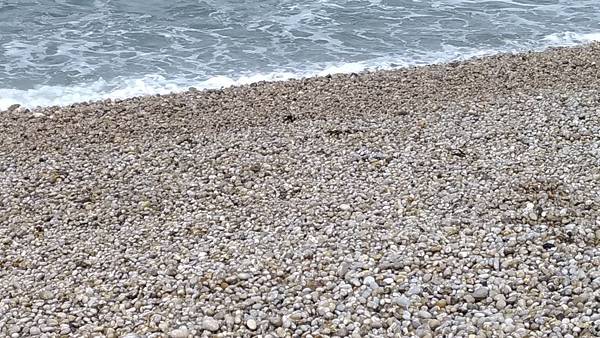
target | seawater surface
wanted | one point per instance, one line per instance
(64, 51)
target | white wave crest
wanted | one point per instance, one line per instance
(124, 87)
(571, 38)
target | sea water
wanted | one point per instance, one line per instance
(56, 52)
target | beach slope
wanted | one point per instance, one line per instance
(459, 199)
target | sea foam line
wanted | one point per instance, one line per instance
(124, 87)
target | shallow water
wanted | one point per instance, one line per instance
(63, 51)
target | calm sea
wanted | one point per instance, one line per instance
(64, 51)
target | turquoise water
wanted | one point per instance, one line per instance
(63, 51)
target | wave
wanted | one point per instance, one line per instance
(125, 87)
(571, 38)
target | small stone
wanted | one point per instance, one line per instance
(210, 324)
(131, 335)
(342, 332)
(46, 329)
(280, 332)
(414, 290)
(370, 282)
(481, 293)
(423, 332)
(435, 248)
(251, 324)
(46, 295)
(406, 315)
(342, 269)
(322, 310)
(14, 329)
(181, 332)
(286, 322)
(508, 327)
(424, 314)
(164, 326)
(110, 333)
(243, 276)
(276, 321)
(35, 331)
(469, 299)
(434, 324)
(402, 300)
(376, 323)
(345, 207)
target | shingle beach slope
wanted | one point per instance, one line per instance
(451, 200)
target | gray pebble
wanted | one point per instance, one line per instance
(480, 293)
(210, 324)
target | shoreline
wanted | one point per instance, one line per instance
(504, 56)
(456, 199)
(332, 69)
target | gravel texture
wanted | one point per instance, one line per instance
(458, 200)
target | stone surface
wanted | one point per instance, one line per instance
(251, 324)
(481, 293)
(210, 324)
(181, 332)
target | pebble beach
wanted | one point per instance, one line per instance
(452, 200)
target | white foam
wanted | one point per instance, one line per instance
(124, 87)
(571, 38)
(121, 88)
(98, 90)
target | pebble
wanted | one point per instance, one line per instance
(276, 321)
(424, 314)
(370, 282)
(414, 290)
(251, 324)
(402, 301)
(244, 276)
(14, 329)
(181, 332)
(345, 207)
(280, 332)
(286, 322)
(481, 293)
(210, 324)
(434, 324)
